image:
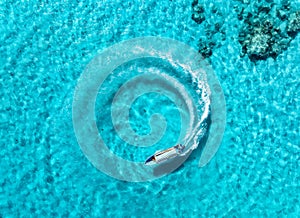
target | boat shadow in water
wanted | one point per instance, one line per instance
(180, 161)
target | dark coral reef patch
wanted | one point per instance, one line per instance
(213, 33)
(268, 28)
(198, 12)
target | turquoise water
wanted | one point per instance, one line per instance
(44, 49)
(141, 111)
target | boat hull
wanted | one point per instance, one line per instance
(162, 156)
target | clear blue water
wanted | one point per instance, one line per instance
(140, 113)
(45, 47)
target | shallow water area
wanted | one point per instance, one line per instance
(45, 48)
(154, 70)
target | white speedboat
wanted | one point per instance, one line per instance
(162, 156)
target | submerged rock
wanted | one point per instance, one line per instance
(198, 12)
(206, 48)
(293, 26)
(214, 34)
